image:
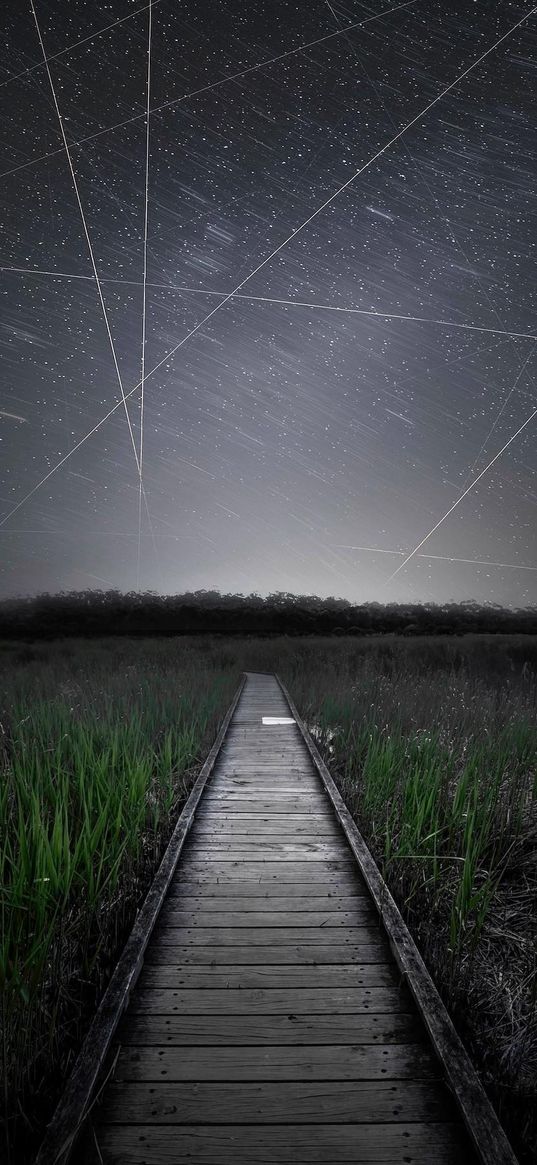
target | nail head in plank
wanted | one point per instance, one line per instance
(340, 1102)
(332, 1144)
(319, 1062)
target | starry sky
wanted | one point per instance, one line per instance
(298, 435)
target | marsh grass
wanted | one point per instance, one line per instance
(97, 754)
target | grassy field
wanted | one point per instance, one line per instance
(433, 744)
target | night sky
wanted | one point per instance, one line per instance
(293, 445)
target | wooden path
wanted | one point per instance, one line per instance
(269, 1023)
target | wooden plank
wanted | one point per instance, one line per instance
(269, 851)
(239, 837)
(282, 975)
(290, 871)
(227, 803)
(486, 1132)
(286, 849)
(327, 918)
(340, 1102)
(319, 1062)
(274, 769)
(247, 904)
(266, 786)
(258, 803)
(263, 936)
(277, 802)
(245, 827)
(279, 755)
(214, 832)
(317, 793)
(149, 1030)
(213, 817)
(273, 775)
(263, 775)
(347, 888)
(278, 765)
(167, 955)
(381, 1144)
(284, 1001)
(271, 749)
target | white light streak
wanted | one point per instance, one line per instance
(13, 417)
(463, 495)
(330, 307)
(86, 231)
(442, 558)
(144, 285)
(499, 415)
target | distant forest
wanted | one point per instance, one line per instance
(97, 613)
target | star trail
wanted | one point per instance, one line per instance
(267, 298)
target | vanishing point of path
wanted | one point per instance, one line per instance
(269, 1023)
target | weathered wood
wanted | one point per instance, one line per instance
(262, 936)
(258, 801)
(269, 891)
(207, 819)
(149, 1030)
(319, 1062)
(339, 905)
(245, 803)
(287, 850)
(487, 1134)
(71, 1108)
(335, 1001)
(258, 850)
(332, 1144)
(328, 918)
(262, 786)
(300, 954)
(245, 830)
(343, 1102)
(281, 975)
(281, 872)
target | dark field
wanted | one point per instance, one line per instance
(432, 741)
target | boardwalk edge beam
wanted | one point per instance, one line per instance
(484, 1128)
(73, 1106)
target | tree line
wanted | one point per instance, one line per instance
(93, 613)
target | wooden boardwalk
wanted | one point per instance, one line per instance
(269, 1023)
